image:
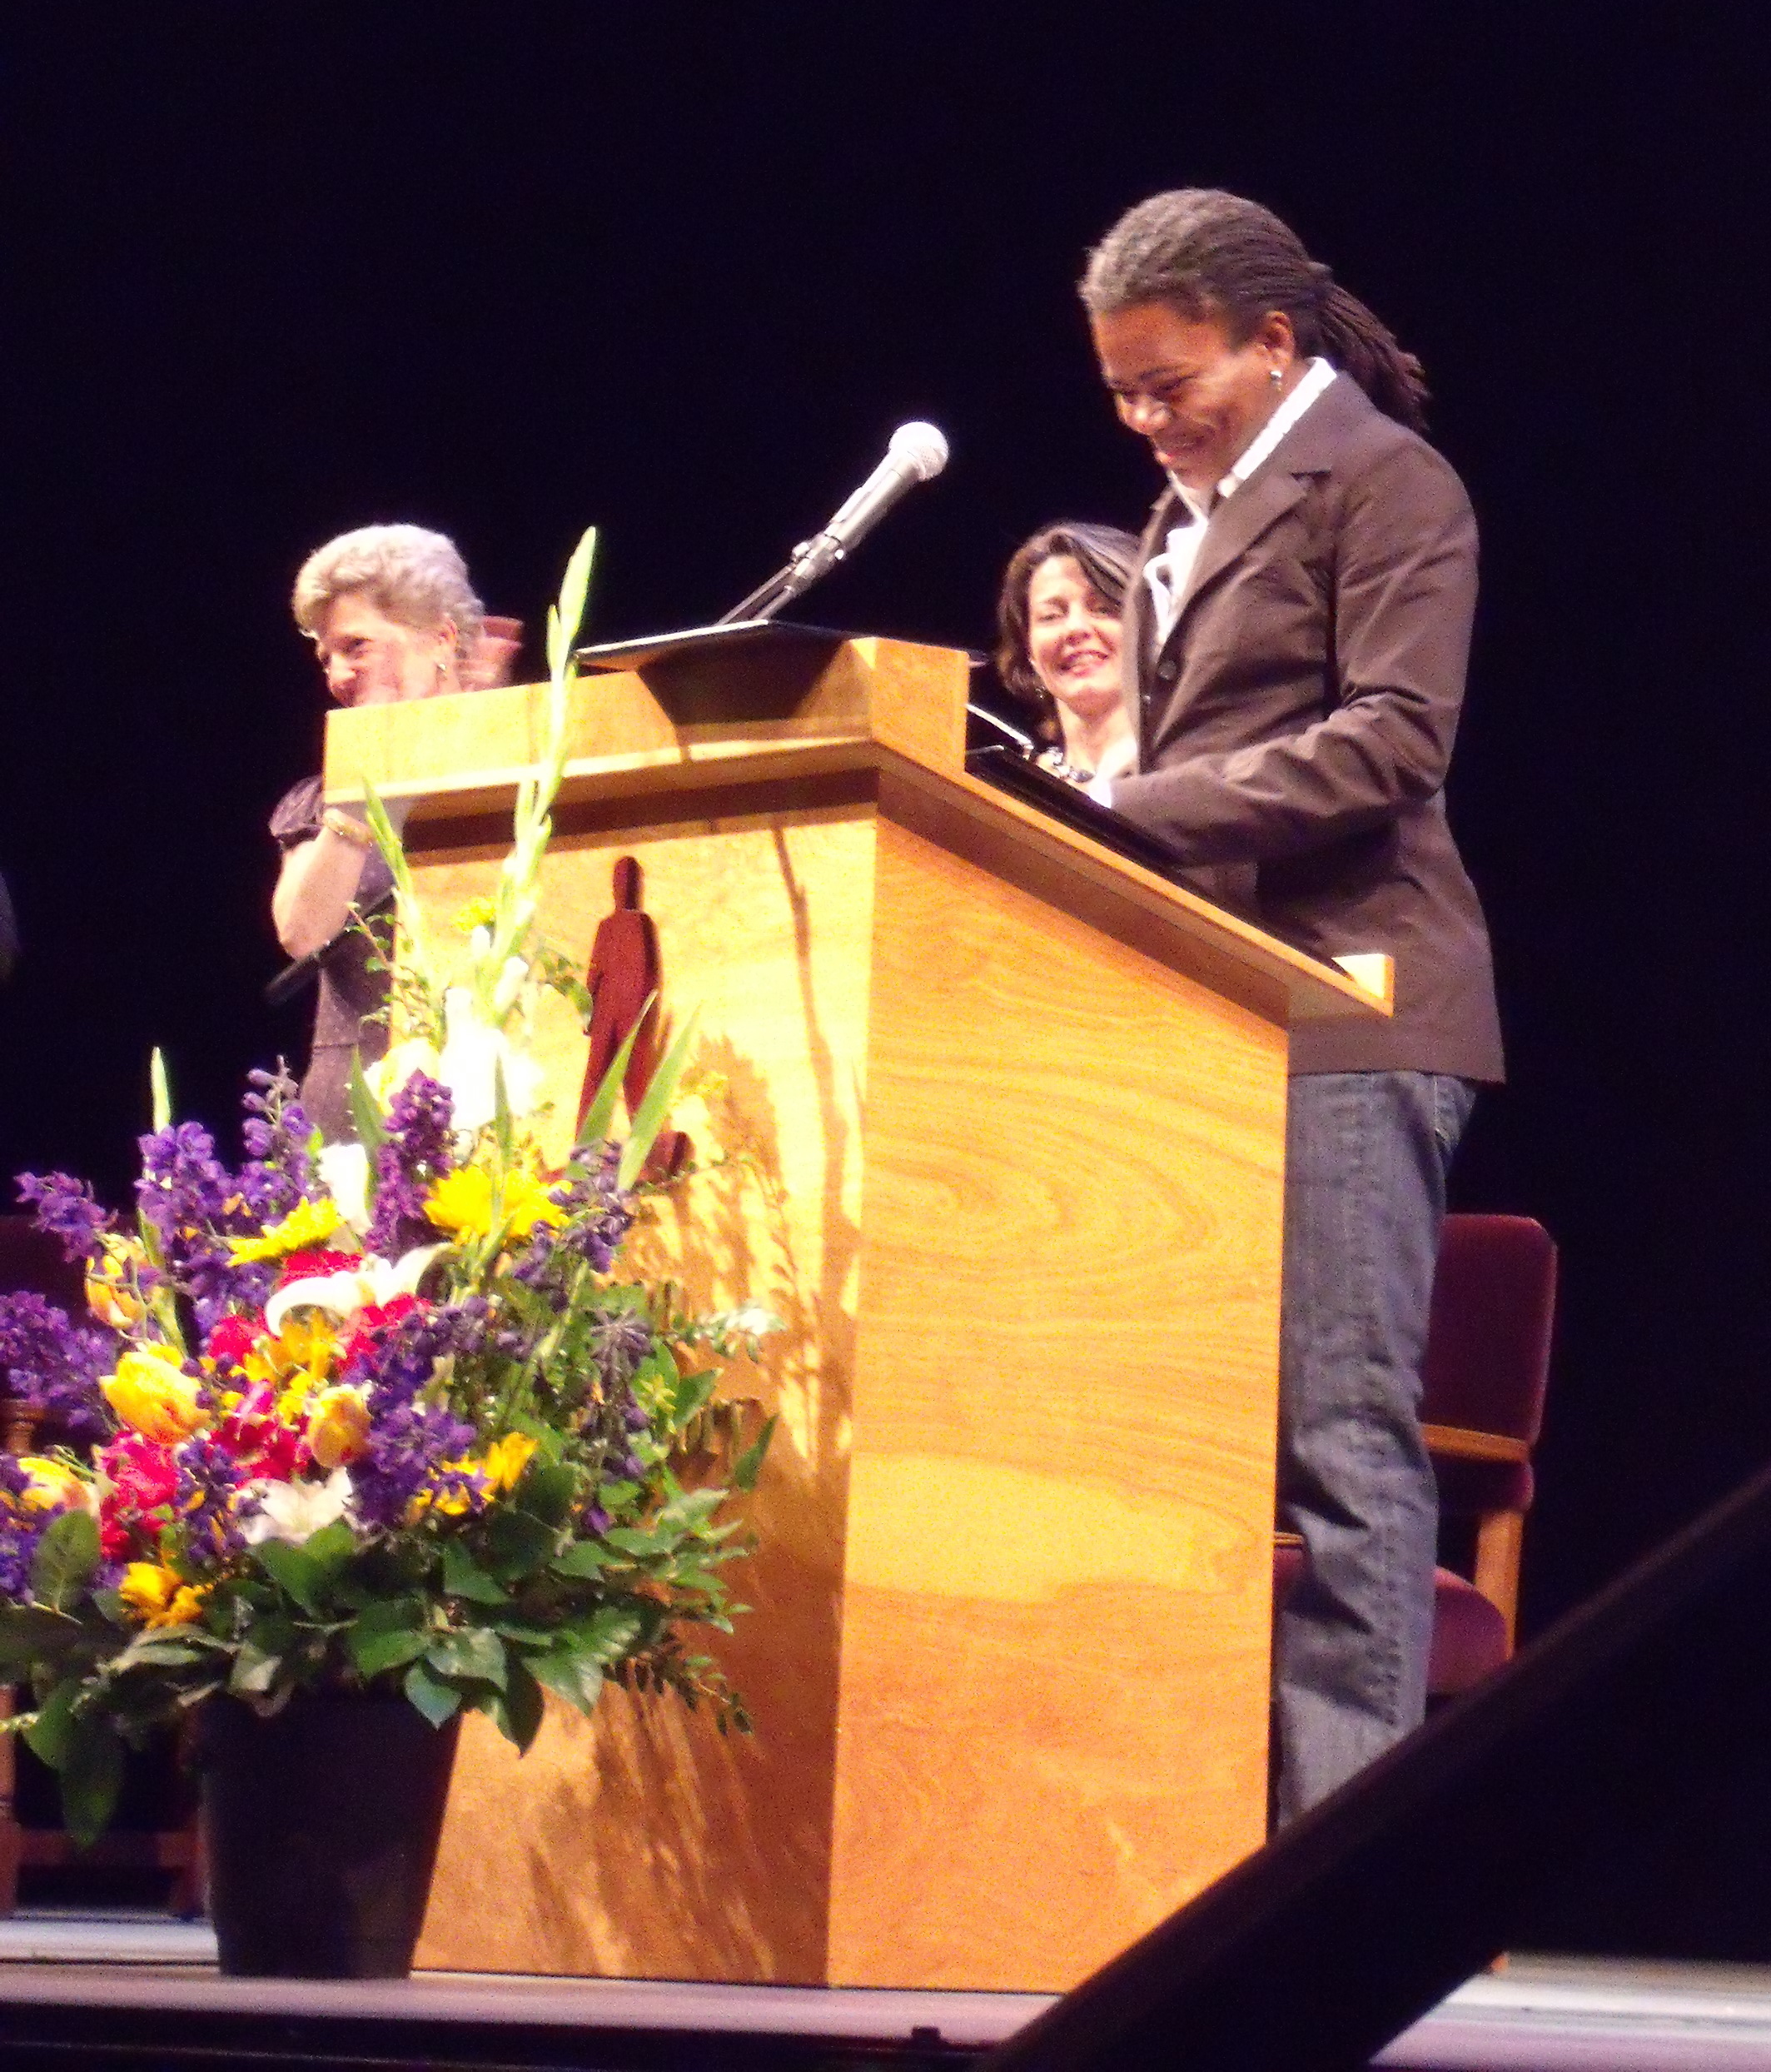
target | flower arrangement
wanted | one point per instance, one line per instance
(383, 1416)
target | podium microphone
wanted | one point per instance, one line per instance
(917, 453)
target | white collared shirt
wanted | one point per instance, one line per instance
(1168, 574)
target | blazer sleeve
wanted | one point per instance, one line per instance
(1402, 592)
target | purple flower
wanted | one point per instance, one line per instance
(194, 1205)
(206, 1497)
(399, 1358)
(65, 1207)
(600, 1212)
(20, 1530)
(407, 1448)
(277, 1133)
(409, 1439)
(416, 1155)
(619, 1340)
(56, 1365)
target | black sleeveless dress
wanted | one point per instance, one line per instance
(353, 980)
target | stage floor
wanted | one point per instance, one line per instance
(66, 1977)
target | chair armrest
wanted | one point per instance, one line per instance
(1474, 1445)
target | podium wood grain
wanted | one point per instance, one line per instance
(1002, 1124)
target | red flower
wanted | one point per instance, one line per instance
(233, 1339)
(257, 1438)
(313, 1266)
(142, 1478)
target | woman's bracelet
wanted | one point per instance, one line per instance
(345, 829)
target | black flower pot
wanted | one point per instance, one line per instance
(321, 1827)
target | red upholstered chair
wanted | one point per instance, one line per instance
(1486, 1370)
(30, 1260)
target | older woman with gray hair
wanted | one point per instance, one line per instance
(392, 617)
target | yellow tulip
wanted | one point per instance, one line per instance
(54, 1485)
(337, 1427)
(152, 1396)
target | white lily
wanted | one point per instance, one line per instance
(345, 1169)
(412, 1053)
(295, 1510)
(473, 1054)
(367, 1282)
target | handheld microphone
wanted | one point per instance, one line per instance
(917, 453)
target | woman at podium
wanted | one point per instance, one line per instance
(1057, 644)
(392, 616)
(1299, 618)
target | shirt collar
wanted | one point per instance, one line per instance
(1317, 377)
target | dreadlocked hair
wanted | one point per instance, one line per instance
(1210, 254)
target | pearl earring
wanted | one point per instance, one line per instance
(1276, 376)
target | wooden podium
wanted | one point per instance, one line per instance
(1002, 1124)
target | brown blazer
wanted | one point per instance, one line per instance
(1296, 724)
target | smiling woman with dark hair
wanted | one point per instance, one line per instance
(1057, 645)
(1298, 625)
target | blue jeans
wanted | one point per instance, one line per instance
(1366, 1157)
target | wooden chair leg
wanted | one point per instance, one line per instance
(1499, 1543)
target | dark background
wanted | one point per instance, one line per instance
(677, 270)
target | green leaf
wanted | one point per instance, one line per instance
(692, 1393)
(610, 1633)
(636, 1541)
(364, 1113)
(375, 1654)
(518, 1545)
(691, 1509)
(91, 1776)
(29, 1636)
(330, 1547)
(464, 1577)
(547, 1493)
(656, 1105)
(387, 1635)
(255, 1671)
(155, 1651)
(294, 1571)
(583, 1560)
(516, 1710)
(66, 1557)
(595, 1128)
(749, 1463)
(50, 1734)
(437, 1700)
(476, 1655)
(522, 1633)
(571, 1674)
(160, 1090)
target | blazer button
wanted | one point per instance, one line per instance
(1167, 671)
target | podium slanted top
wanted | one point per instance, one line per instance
(755, 708)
